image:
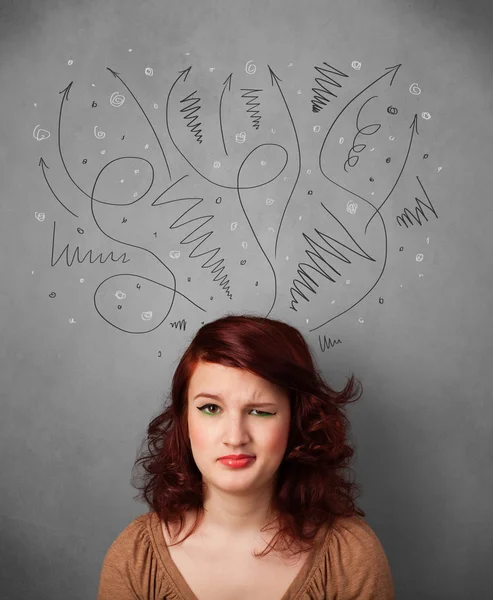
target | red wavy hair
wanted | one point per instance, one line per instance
(312, 487)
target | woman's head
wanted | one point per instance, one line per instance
(232, 411)
(302, 450)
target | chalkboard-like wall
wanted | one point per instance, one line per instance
(324, 163)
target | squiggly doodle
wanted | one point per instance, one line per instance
(229, 162)
(327, 344)
(191, 108)
(252, 104)
(76, 255)
(323, 93)
(408, 217)
(216, 267)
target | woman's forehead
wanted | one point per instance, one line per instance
(212, 378)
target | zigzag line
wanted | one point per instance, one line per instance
(327, 344)
(182, 325)
(76, 255)
(305, 278)
(407, 214)
(216, 267)
(321, 99)
(194, 127)
(254, 114)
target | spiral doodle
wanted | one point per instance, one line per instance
(356, 65)
(99, 134)
(117, 99)
(250, 68)
(148, 71)
(40, 134)
(426, 115)
(415, 89)
(351, 207)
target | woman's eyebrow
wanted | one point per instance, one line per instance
(219, 397)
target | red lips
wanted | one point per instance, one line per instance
(236, 456)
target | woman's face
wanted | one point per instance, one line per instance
(227, 414)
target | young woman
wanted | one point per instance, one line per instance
(249, 460)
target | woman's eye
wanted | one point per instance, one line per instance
(263, 414)
(208, 406)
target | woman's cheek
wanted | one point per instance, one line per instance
(198, 436)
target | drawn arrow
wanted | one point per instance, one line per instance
(414, 129)
(275, 79)
(116, 75)
(389, 71)
(43, 165)
(228, 83)
(65, 93)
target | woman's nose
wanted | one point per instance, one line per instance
(236, 431)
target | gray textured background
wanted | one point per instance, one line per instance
(76, 397)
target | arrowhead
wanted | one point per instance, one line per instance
(273, 76)
(395, 68)
(414, 124)
(114, 73)
(184, 72)
(42, 163)
(66, 91)
(228, 81)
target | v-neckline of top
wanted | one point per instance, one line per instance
(304, 575)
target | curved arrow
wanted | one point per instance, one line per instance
(42, 164)
(389, 70)
(117, 76)
(227, 82)
(414, 129)
(275, 78)
(65, 93)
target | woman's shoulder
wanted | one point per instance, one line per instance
(133, 556)
(354, 532)
(134, 531)
(353, 560)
